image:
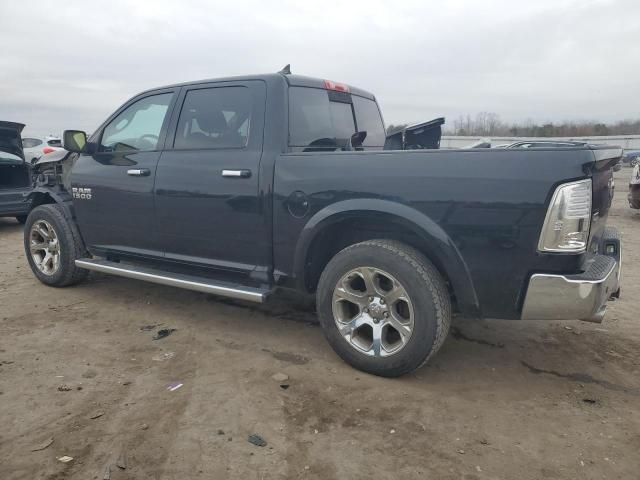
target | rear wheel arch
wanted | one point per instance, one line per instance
(328, 234)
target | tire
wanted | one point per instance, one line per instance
(70, 246)
(21, 219)
(426, 298)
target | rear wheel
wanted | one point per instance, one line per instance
(384, 307)
(52, 247)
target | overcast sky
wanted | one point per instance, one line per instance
(68, 64)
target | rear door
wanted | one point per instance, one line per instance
(209, 207)
(113, 187)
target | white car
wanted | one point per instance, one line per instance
(35, 147)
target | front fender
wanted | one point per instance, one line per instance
(40, 195)
(441, 248)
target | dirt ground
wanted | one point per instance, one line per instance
(502, 400)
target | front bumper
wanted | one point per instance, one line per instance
(582, 296)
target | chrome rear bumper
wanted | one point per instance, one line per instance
(582, 296)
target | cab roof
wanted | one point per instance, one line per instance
(270, 78)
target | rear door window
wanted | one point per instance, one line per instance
(218, 117)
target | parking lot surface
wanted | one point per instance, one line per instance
(82, 376)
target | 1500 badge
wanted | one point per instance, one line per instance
(81, 193)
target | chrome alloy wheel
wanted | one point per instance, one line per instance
(45, 247)
(373, 311)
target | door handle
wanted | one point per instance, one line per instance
(236, 173)
(139, 172)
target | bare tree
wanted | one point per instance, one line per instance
(489, 124)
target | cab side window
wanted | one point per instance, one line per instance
(213, 118)
(138, 127)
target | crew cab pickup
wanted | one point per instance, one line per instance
(239, 186)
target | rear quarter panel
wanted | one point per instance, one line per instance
(491, 203)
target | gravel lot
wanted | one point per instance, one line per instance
(526, 400)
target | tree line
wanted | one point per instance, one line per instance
(488, 124)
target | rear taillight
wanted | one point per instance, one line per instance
(338, 87)
(566, 226)
(46, 150)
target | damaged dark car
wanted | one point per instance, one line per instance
(15, 173)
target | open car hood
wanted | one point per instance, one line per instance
(417, 137)
(10, 139)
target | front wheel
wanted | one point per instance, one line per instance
(384, 307)
(52, 247)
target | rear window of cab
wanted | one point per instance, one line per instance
(325, 120)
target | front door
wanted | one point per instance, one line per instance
(112, 188)
(208, 205)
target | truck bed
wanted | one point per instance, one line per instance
(486, 207)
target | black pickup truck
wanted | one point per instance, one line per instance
(238, 186)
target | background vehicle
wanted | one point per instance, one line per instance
(15, 176)
(543, 144)
(239, 185)
(634, 187)
(631, 157)
(35, 147)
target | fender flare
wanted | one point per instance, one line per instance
(442, 248)
(61, 197)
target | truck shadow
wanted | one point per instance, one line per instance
(529, 353)
(9, 224)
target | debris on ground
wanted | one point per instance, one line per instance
(590, 401)
(392, 431)
(161, 357)
(461, 452)
(64, 388)
(174, 386)
(165, 332)
(65, 459)
(280, 377)
(257, 440)
(148, 328)
(220, 431)
(284, 386)
(43, 445)
(107, 473)
(121, 463)
(144, 426)
(97, 414)
(126, 382)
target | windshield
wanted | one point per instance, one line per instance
(326, 120)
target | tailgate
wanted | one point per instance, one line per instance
(603, 187)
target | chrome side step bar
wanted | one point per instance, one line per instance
(188, 282)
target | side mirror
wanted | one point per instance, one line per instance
(74, 141)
